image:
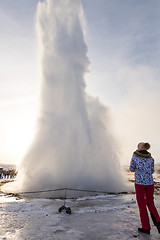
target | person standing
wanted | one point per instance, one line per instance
(142, 164)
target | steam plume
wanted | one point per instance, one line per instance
(73, 145)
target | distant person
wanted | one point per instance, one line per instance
(143, 165)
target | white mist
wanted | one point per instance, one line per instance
(73, 146)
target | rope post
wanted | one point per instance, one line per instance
(64, 208)
(65, 195)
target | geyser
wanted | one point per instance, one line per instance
(73, 146)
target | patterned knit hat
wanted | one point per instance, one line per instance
(139, 146)
(143, 146)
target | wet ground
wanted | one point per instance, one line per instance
(99, 217)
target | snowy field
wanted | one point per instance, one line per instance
(99, 217)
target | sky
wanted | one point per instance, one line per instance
(123, 39)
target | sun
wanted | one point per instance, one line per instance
(18, 134)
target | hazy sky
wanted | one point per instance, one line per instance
(123, 39)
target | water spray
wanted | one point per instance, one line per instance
(73, 144)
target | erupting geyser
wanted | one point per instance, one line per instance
(73, 146)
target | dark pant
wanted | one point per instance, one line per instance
(145, 198)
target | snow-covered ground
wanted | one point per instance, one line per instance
(99, 217)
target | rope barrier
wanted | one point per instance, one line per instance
(83, 190)
(65, 189)
(63, 208)
(42, 191)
